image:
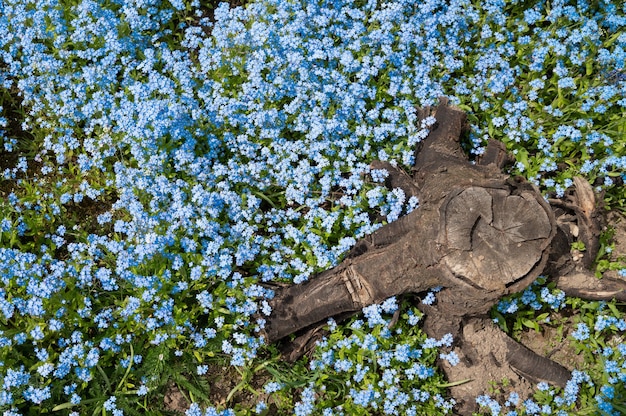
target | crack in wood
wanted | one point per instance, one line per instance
(359, 290)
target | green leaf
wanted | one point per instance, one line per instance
(69, 405)
(454, 383)
(531, 324)
(589, 67)
(63, 406)
(613, 308)
(522, 157)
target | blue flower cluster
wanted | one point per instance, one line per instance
(230, 152)
(534, 296)
(581, 333)
(385, 370)
(194, 141)
(195, 410)
(605, 321)
(513, 406)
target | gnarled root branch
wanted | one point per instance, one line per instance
(584, 284)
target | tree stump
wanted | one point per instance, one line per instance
(479, 234)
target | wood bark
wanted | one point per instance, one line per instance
(479, 234)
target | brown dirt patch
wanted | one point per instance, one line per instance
(174, 400)
(554, 344)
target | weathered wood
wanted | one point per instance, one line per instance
(360, 281)
(477, 233)
(584, 284)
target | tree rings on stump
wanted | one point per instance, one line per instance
(493, 237)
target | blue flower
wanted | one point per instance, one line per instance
(390, 305)
(37, 334)
(37, 395)
(6, 398)
(420, 370)
(555, 299)
(581, 333)
(110, 403)
(513, 399)
(451, 357)
(486, 401)
(507, 306)
(194, 410)
(373, 315)
(306, 405)
(272, 387)
(403, 353)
